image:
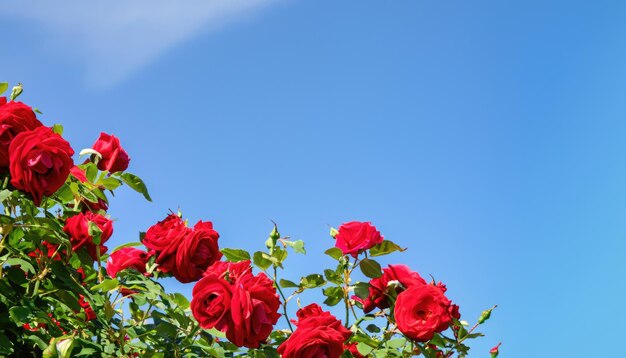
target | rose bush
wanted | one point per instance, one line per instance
(63, 293)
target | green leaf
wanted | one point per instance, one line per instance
(297, 246)
(371, 268)
(287, 284)
(107, 285)
(235, 255)
(262, 260)
(24, 265)
(312, 281)
(334, 295)
(384, 248)
(373, 328)
(362, 290)
(110, 183)
(58, 129)
(180, 300)
(136, 184)
(20, 315)
(335, 253)
(333, 276)
(17, 91)
(3, 87)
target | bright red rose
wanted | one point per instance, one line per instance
(15, 117)
(114, 157)
(127, 257)
(210, 303)
(233, 300)
(77, 228)
(319, 334)
(197, 252)
(380, 287)
(254, 310)
(164, 238)
(421, 311)
(40, 162)
(355, 237)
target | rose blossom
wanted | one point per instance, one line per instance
(114, 157)
(380, 287)
(233, 300)
(127, 257)
(354, 237)
(197, 252)
(40, 162)
(164, 238)
(77, 228)
(319, 334)
(421, 311)
(352, 348)
(15, 117)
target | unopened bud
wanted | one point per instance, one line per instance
(495, 351)
(485, 316)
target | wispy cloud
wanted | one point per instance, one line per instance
(112, 39)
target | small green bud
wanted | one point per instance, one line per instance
(485, 315)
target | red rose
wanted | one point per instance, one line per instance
(164, 238)
(127, 257)
(77, 228)
(15, 117)
(233, 300)
(319, 334)
(89, 312)
(40, 162)
(354, 237)
(421, 311)
(380, 287)
(197, 252)
(254, 310)
(114, 157)
(210, 303)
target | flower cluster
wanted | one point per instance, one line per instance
(64, 293)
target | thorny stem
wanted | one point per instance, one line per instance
(284, 304)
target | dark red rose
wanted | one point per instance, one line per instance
(40, 162)
(89, 312)
(353, 349)
(127, 257)
(114, 157)
(164, 238)
(15, 118)
(355, 237)
(3, 101)
(319, 334)
(77, 228)
(49, 250)
(381, 288)
(421, 311)
(233, 300)
(197, 252)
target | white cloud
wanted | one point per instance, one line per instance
(112, 39)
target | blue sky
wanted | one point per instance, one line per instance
(487, 136)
